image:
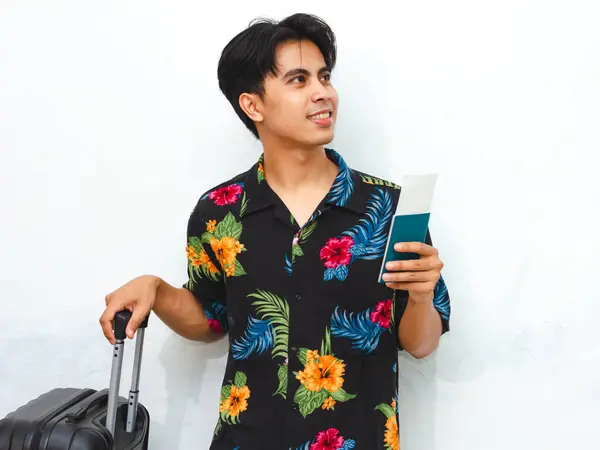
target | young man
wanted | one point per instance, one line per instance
(285, 259)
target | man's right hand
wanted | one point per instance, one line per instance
(138, 296)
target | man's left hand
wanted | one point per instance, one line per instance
(417, 276)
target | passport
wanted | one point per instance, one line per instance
(411, 218)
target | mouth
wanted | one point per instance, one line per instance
(322, 117)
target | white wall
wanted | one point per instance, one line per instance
(111, 125)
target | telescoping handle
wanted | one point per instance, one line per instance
(120, 324)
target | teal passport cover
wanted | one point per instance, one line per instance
(404, 228)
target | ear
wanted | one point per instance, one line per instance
(251, 105)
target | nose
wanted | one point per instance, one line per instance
(320, 93)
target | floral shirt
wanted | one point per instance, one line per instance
(313, 335)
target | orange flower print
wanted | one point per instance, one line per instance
(321, 380)
(234, 400)
(332, 370)
(260, 173)
(223, 238)
(392, 440)
(311, 355)
(237, 401)
(210, 226)
(326, 373)
(191, 252)
(328, 403)
(391, 436)
(226, 249)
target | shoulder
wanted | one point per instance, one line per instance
(219, 200)
(372, 185)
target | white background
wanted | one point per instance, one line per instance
(112, 125)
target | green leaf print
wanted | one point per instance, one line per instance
(309, 401)
(239, 270)
(386, 409)
(276, 310)
(207, 237)
(326, 343)
(244, 204)
(307, 231)
(302, 355)
(392, 315)
(342, 396)
(282, 375)
(225, 392)
(228, 227)
(297, 251)
(196, 243)
(240, 380)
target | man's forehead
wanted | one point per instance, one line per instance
(298, 55)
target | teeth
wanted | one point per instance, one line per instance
(320, 116)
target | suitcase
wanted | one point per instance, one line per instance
(85, 419)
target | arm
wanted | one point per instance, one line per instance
(179, 309)
(424, 304)
(420, 328)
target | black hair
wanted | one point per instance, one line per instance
(250, 56)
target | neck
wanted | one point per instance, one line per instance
(295, 169)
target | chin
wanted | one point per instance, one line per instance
(323, 139)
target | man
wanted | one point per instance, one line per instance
(285, 259)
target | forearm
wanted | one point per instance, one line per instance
(420, 328)
(182, 313)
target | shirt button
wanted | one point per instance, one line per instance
(298, 297)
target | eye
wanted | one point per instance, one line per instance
(300, 78)
(327, 77)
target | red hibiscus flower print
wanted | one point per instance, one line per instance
(337, 252)
(215, 325)
(382, 314)
(226, 195)
(328, 440)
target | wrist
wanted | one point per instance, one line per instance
(421, 299)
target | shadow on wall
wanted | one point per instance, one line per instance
(189, 380)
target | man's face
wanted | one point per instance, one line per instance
(300, 104)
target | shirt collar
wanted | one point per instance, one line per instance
(347, 191)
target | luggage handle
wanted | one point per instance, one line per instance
(120, 324)
(81, 413)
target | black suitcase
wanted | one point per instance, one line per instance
(84, 419)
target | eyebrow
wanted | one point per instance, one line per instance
(300, 71)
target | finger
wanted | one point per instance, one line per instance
(415, 247)
(138, 316)
(421, 264)
(416, 287)
(106, 321)
(406, 277)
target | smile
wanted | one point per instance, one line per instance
(320, 116)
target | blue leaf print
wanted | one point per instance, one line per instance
(348, 444)
(257, 338)
(288, 265)
(219, 313)
(441, 299)
(343, 185)
(340, 272)
(370, 234)
(304, 447)
(359, 328)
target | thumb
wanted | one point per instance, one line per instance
(138, 316)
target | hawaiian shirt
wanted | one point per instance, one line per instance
(313, 334)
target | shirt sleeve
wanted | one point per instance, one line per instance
(204, 272)
(441, 302)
